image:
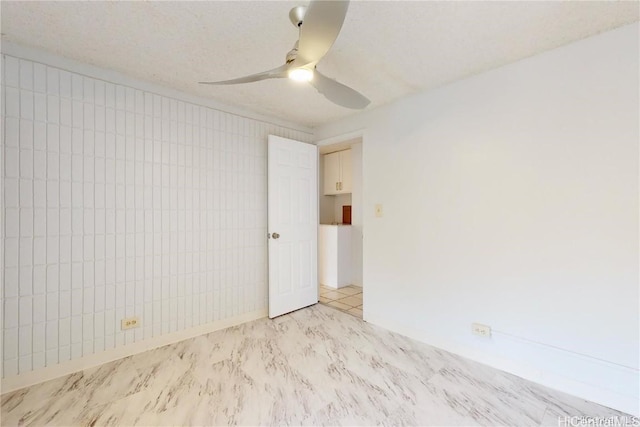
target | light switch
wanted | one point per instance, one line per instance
(378, 211)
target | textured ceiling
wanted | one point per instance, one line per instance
(386, 49)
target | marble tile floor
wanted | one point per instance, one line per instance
(347, 299)
(315, 366)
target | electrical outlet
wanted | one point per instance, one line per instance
(378, 211)
(129, 323)
(481, 330)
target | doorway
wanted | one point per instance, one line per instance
(340, 225)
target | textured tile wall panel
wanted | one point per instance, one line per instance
(120, 202)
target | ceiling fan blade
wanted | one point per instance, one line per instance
(338, 93)
(276, 73)
(320, 28)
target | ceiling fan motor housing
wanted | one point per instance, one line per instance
(296, 15)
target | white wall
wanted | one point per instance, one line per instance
(121, 200)
(511, 199)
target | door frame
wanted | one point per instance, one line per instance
(357, 134)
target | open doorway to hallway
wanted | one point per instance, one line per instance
(340, 229)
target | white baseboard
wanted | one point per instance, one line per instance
(71, 366)
(344, 285)
(589, 378)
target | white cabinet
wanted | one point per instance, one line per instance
(331, 173)
(337, 173)
(334, 255)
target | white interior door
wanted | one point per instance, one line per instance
(293, 225)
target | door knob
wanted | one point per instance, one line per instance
(275, 235)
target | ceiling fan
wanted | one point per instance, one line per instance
(319, 26)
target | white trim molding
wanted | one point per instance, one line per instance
(36, 55)
(341, 138)
(608, 384)
(69, 367)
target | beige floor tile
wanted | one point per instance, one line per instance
(339, 305)
(356, 312)
(324, 300)
(350, 290)
(332, 295)
(352, 301)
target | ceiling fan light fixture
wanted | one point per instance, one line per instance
(300, 74)
(322, 23)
